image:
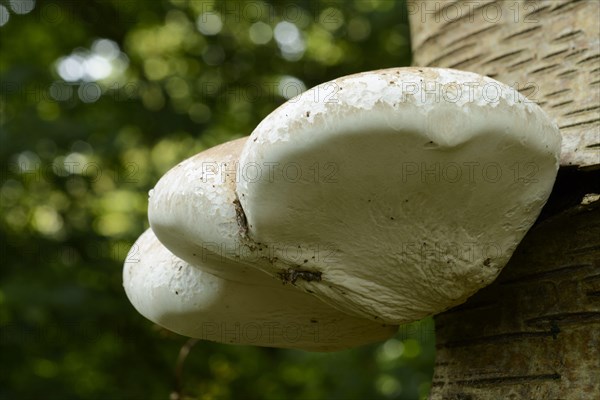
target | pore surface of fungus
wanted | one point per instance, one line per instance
(420, 183)
(190, 301)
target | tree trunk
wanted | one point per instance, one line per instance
(535, 332)
(548, 50)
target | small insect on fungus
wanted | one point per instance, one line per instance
(241, 217)
(292, 275)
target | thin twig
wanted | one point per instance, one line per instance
(183, 353)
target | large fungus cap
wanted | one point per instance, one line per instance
(415, 184)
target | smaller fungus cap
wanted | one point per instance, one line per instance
(194, 211)
(192, 302)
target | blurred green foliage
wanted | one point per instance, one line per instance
(98, 100)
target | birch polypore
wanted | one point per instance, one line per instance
(389, 195)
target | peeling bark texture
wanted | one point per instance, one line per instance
(549, 50)
(535, 332)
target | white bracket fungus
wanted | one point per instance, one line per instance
(395, 196)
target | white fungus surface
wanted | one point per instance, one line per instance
(389, 195)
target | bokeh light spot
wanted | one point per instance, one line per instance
(199, 113)
(412, 348)
(4, 15)
(114, 224)
(331, 19)
(89, 92)
(47, 221)
(71, 68)
(392, 349)
(103, 62)
(388, 386)
(106, 48)
(156, 68)
(48, 110)
(61, 91)
(359, 29)
(97, 67)
(75, 162)
(177, 88)
(290, 87)
(21, 6)
(260, 33)
(209, 23)
(286, 33)
(289, 40)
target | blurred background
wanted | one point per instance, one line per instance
(97, 100)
